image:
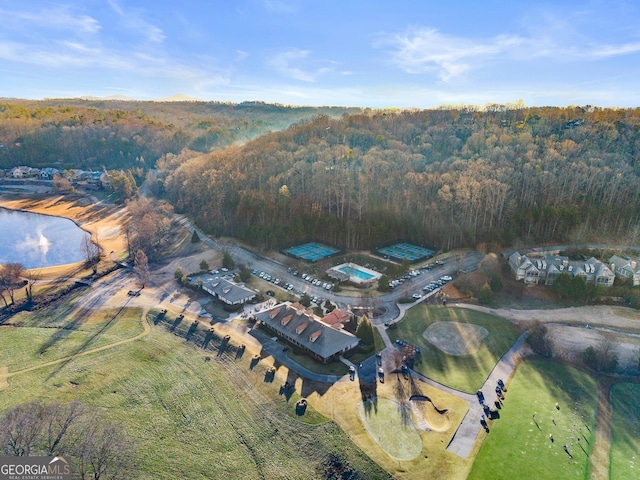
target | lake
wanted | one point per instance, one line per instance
(38, 241)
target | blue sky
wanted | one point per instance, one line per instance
(369, 53)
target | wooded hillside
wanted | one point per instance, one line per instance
(446, 178)
(91, 134)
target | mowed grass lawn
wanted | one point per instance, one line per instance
(516, 448)
(194, 414)
(468, 372)
(46, 338)
(625, 426)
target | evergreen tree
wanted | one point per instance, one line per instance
(485, 297)
(365, 330)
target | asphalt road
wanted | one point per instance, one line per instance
(388, 302)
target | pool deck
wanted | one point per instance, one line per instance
(373, 276)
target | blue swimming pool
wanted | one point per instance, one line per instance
(355, 272)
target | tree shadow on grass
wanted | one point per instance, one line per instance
(176, 322)
(254, 361)
(84, 346)
(240, 351)
(224, 345)
(209, 337)
(270, 375)
(289, 386)
(369, 395)
(159, 317)
(192, 330)
(60, 334)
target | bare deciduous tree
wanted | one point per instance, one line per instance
(10, 274)
(31, 276)
(141, 267)
(20, 429)
(97, 448)
(104, 452)
(58, 419)
(91, 252)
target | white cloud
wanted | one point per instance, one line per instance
(56, 17)
(449, 56)
(134, 21)
(427, 50)
(606, 51)
(288, 63)
(115, 7)
(241, 55)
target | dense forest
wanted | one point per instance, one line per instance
(274, 175)
(95, 134)
(447, 177)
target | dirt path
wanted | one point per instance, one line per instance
(147, 329)
(602, 315)
(600, 453)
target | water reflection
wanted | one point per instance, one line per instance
(38, 240)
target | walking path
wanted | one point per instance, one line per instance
(4, 376)
(462, 442)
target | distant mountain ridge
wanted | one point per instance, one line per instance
(179, 97)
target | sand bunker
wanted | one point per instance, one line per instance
(455, 338)
(427, 416)
(389, 424)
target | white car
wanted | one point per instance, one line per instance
(416, 296)
(446, 278)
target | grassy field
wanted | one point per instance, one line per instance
(41, 338)
(468, 372)
(516, 448)
(194, 414)
(625, 426)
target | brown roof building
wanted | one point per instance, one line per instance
(321, 340)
